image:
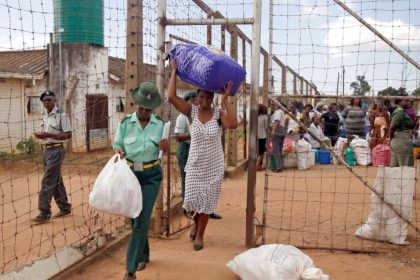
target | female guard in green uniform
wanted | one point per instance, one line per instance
(139, 138)
(401, 134)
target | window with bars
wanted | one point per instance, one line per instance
(34, 105)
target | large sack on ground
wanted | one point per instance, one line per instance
(381, 155)
(338, 149)
(290, 160)
(207, 68)
(275, 262)
(361, 150)
(303, 149)
(396, 184)
(117, 190)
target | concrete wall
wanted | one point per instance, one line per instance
(115, 92)
(89, 65)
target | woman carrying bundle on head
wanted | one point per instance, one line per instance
(205, 165)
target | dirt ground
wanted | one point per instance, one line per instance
(344, 202)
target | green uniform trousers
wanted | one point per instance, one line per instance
(138, 247)
(182, 157)
(402, 149)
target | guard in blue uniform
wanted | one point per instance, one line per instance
(55, 131)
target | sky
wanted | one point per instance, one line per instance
(316, 38)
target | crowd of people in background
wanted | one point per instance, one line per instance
(390, 123)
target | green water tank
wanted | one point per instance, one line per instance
(79, 21)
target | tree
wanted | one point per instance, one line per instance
(390, 91)
(416, 92)
(361, 86)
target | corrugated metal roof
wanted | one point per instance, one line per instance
(34, 63)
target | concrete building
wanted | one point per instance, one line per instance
(97, 101)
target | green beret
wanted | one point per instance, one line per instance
(147, 96)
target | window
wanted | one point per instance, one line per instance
(34, 105)
(120, 104)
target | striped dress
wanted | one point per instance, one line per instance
(355, 120)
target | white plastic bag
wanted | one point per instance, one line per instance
(383, 224)
(303, 150)
(117, 190)
(361, 151)
(338, 149)
(275, 262)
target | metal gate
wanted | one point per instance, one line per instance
(96, 122)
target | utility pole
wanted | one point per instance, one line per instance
(344, 72)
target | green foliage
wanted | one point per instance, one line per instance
(29, 146)
(390, 91)
(416, 92)
(360, 86)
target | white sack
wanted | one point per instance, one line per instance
(338, 149)
(290, 160)
(312, 157)
(397, 186)
(304, 150)
(275, 262)
(117, 190)
(361, 151)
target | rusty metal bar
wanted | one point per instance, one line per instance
(207, 21)
(377, 33)
(182, 39)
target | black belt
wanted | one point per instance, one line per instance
(52, 145)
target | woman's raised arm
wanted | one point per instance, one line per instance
(228, 117)
(180, 104)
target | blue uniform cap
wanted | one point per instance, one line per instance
(47, 93)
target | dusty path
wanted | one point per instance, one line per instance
(175, 258)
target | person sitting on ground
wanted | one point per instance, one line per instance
(379, 120)
(318, 109)
(307, 115)
(315, 129)
(262, 134)
(331, 121)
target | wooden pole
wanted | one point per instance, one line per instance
(253, 124)
(266, 80)
(244, 103)
(232, 157)
(134, 55)
(283, 79)
(209, 32)
(160, 83)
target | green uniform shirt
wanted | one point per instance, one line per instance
(138, 144)
(401, 120)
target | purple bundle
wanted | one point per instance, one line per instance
(207, 68)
